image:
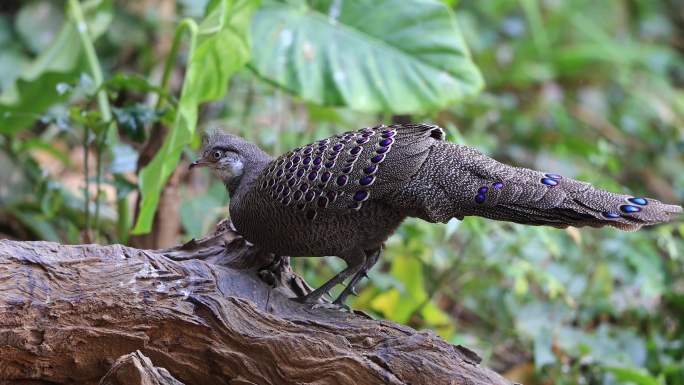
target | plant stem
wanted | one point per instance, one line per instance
(184, 25)
(102, 101)
(86, 191)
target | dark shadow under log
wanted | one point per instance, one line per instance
(206, 312)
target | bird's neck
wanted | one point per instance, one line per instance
(255, 163)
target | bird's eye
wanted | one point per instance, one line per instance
(217, 155)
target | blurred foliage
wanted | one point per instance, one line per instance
(593, 90)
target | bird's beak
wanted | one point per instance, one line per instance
(198, 163)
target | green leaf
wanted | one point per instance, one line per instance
(633, 376)
(36, 88)
(220, 48)
(400, 56)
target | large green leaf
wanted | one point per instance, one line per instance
(36, 88)
(222, 47)
(401, 56)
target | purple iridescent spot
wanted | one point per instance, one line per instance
(329, 164)
(311, 215)
(323, 141)
(331, 195)
(342, 180)
(325, 176)
(296, 159)
(362, 140)
(280, 172)
(280, 188)
(498, 185)
(549, 182)
(610, 215)
(297, 195)
(347, 169)
(355, 150)
(300, 172)
(366, 134)
(386, 131)
(288, 164)
(355, 205)
(291, 182)
(629, 209)
(312, 175)
(317, 160)
(286, 191)
(322, 202)
(483, 190)
(378, 158)
(307, 160)
(310, 195)
(370, 169)
(303, 187)
(388, 134)
(316, 167)
(361, 195)
(386, 142)
(366, 180)
(337, 147)
(308, 150)
(480, 198)
(554, 176)
(382, 150)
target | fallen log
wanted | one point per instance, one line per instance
(212, 311)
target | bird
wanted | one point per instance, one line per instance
(346, 194)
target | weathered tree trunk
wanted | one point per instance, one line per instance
(214, 311)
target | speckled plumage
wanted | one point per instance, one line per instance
(345, 195)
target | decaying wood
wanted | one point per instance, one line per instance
(214, 311)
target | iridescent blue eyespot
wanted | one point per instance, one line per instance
(388, 134)
(296, 159)
(366, 180)
(638, 200)
(291, 182)
(355, 150)
(549, 182)
(498, 185)
(280, 172)
(316, 167)
(303, 187)
(378, 158)
(337, 147)
(325, 176)
(308, 150)
(342, 180)
(362, 140)
(354, 205)
(370, 169)
(610, 215)
(329, 164)
(279, 188)
(317, 160)
(386, 142)
(361, 195)
(312, 175)
(310, 195)
(480, 198)
(382, 150)
(331, 195)
(366, 134)
(483, 190)
(286, 191)
(554, 176)
(307, 160)
(347, 170)
(300, 172)
(629, 209)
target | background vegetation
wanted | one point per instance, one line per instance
(101, 99)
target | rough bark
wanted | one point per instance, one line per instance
(213, 311)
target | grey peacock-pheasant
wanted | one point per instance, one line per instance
(345, 195)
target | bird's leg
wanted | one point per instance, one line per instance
(371, 260)
(355, 262)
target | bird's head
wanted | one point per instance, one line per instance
(229, 157)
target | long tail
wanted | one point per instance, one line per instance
(473, 184)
